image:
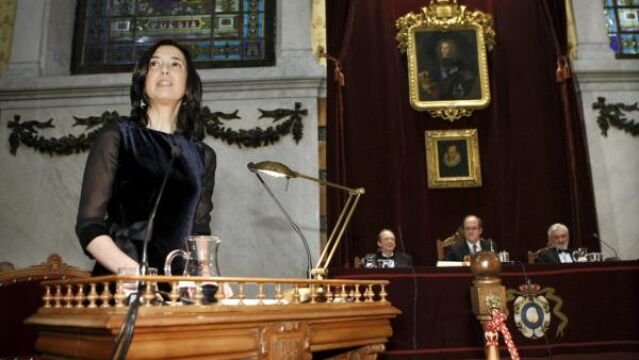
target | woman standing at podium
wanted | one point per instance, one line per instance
(129, 159)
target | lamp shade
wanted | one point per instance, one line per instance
(272, 168)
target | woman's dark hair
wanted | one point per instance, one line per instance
(188, 119)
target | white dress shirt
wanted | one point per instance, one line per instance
(477, 245)
(564, 257)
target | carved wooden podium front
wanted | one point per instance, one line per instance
(287, 319)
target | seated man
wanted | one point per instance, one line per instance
(386, 256)
(472, 243)
(558, 239)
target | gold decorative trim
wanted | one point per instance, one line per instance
(318, 30)
(54, 266)
(7, 18)
(446, 94)
(444, 15)
(573, 40)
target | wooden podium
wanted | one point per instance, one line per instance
(346, 319)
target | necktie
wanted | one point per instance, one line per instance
(474, 249)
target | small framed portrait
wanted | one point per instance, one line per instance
(452, 159)
(448, 74)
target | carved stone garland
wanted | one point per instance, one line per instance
(613, 115)
(27, 133)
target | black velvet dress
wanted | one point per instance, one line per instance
(124, 171)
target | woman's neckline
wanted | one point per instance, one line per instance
(160, 131)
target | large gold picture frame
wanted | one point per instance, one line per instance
(452, 159)
(447, 67)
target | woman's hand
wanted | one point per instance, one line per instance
(109, 255)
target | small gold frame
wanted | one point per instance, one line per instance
(452, 159)
(454, 89)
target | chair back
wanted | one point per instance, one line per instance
(532, 255)
(443, 245)
(20, 297)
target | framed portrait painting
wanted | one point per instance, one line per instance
(452, 159)
(447, 69)
(446, 45)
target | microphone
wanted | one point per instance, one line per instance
(490, 241)
(144, 266)
(615, 257)
(123, 340)
(401, 238)
(294, 225)
(400, 234)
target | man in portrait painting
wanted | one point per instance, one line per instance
(447, 73)
(453, 158)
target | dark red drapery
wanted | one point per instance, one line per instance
(534, 160)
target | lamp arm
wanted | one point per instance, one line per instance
(328, 183)
(331, 239)
(334, 241)
(337, 240)
(293, 225)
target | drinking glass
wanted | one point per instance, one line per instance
(594, 257)
(131, 286)
(579, 255)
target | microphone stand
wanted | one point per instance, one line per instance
(293, 225)
(123, 340)
(615, 256)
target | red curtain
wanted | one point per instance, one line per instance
(534, 159)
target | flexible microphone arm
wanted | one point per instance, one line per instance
(293, 225)
(401, 238)
(144, 265)
(615, 256)
(123, 340)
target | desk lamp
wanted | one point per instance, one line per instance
(280, 170)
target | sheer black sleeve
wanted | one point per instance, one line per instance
(201, 223)
(97, 185)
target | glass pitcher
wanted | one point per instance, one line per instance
(201, 260)
(201, 257)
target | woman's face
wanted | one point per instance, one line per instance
(166, 76)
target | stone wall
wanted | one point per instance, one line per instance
(614, 160)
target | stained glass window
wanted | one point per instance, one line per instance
(622, 21)
(111, 34)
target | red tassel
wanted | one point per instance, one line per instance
(339, 76)
(563, 69)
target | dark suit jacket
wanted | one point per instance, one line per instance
(401, 259)
(549, 256)
(459, 250)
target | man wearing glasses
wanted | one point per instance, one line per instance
(472, 243)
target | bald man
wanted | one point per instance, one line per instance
(386, 256)
(472, 243)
